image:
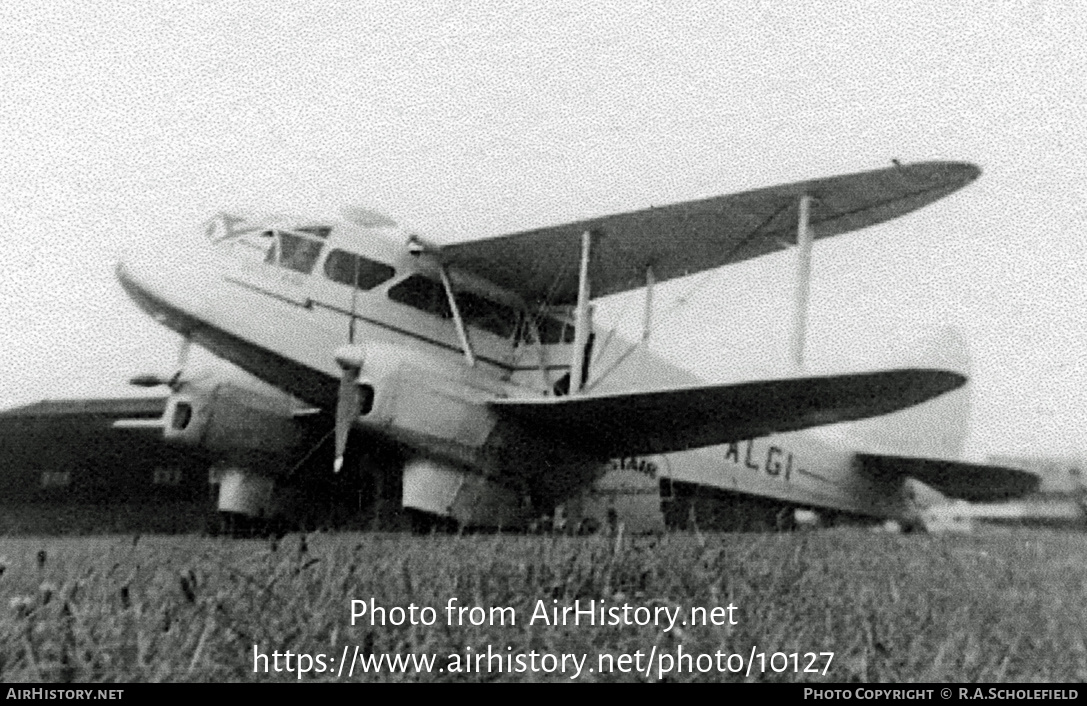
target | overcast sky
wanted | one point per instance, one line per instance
(130, 122)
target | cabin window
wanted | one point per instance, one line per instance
(422, 293)
(343, 266)
(478, 312)
(487, 315)
(551, 331)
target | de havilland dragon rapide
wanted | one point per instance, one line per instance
(465, 383)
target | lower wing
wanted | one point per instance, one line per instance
(683, 418)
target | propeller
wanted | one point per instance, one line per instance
(350, 358)
(348, 401)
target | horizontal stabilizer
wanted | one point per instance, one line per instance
(661, 421)
(955, 479)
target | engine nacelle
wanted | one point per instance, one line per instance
(422, 400)
(469, 498)
(239, 423)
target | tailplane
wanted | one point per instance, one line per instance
(937, 428)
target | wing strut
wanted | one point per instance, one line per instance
(647, 317)
(462, 332)
(803, 281)
(530, 324)
(584, 316)
(418, 246)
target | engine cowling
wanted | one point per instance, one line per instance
(421, 400)
(232, 422)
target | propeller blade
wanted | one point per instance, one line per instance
(174, 381)
(349, 399)
(182, 361)
(347, 411)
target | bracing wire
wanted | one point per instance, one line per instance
(681, 301)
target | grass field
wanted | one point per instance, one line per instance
(996, 607)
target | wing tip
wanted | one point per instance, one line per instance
(950, 173)
(900, 388)
(933, 382)
(965, 172)
(951, 380)
(935, 376)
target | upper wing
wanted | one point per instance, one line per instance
(955, 479)
(673, 420)
(685, 238)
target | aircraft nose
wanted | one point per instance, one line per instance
(123, 271)
(136, 270)
(120, 271)
(161, 285)
(131, 270)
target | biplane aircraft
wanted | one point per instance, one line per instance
(467, 381)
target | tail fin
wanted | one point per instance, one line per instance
(937, 428)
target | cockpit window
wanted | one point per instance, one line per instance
(294, 248)
(293, 251)
(252, 246)
(343, 267)
(479, 312)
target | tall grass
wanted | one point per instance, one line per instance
(997, 607)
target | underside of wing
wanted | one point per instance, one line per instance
(673, 420)
(955, 479)
(681, 239)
